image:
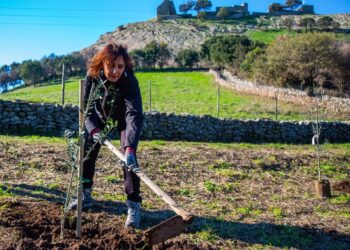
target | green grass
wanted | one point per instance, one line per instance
(48, 92)
(340, 148)
(343, 37)
(179, 92)
(267, 36)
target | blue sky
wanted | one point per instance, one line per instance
(31, 29)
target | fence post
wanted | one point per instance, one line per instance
(218, 101)
(276, 107)
(150, 95)
(62, 97)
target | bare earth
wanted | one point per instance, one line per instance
(254, 197)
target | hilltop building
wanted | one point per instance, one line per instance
(166, 10)
(296, 9)
(236, 11)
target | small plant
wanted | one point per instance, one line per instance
(341, 199)
(323, 188)
(185, 191)
(114, 197)
(113, 179)
(210, 186)
(277, 212)
(208, 235)
(5, 192)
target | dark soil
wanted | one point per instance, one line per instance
(36, 225)
(342, 186)
(243, 197)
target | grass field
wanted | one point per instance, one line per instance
(180, 92)
(268, 36)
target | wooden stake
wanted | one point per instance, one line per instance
(81, 158)
(218, 101)
(276, 106)
(62, 100)
(150, 95)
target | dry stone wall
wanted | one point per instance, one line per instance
(334, 104)
(50, 119)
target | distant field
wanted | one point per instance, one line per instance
(181, 92)
(268, 36)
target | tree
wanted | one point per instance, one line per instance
(201, 15)
(275, 7)
(202, 5)
(288, 23)
(293, 2)
(31, 72)
(185, 7)
(325, 22)
(227, 51)
(163, 55)
(336, 25)
(49, 65)
(5, 68)
(223, 13)
(14, 73)
(79, 63)
(68, 61)
(138, 56)
(151, 53)
(342, 71)
(250, 61)
(308, 23)
(301, 60)
(4, 77)
(187, 58)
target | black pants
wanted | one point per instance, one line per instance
(131, 180)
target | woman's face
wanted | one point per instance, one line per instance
(113, 70)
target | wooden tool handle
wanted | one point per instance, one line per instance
(187, 217)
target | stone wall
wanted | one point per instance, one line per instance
(49, 119)
(333, 104)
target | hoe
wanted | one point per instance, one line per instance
(169, 228)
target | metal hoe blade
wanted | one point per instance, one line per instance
(165, 230)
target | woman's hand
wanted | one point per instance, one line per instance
(131, 159)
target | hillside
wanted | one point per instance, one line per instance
(189, 33)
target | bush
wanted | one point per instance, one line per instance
(187, 58)
(227, 51)
(307, 60)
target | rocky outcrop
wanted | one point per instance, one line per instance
(183, 33)
(178, 34)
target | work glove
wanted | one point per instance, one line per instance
(96, 135)
(131, 162)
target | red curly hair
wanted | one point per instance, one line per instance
(109, 54)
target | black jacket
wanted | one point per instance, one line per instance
(120, 101)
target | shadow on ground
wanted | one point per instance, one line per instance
(268, 234)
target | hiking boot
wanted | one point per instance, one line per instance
(134, 214)
(87, 200)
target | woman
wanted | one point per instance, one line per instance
(118, 99)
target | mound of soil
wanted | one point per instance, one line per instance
(36, 225)
(342, 186)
